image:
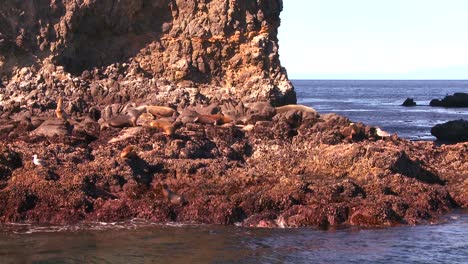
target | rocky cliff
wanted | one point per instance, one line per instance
(139, 109)
(169, 50)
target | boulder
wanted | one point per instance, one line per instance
(455, 100)
(452, 131)
(435, 102)
(409, 102)
(52, 127)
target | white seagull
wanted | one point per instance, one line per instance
(39, 162)
(381, 133)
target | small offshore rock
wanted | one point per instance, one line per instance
(455, 100)
(409, 102)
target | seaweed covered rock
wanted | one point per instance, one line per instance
(289, 169)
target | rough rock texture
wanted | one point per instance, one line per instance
(120, 50)
(216, 159)
(452, 131)
(292, 169)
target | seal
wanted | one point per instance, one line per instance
(302, 108)
(164, 126)
(172, 196)
(160, 111)
(216, 119)
(128, 152)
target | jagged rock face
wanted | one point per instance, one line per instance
(219, 48)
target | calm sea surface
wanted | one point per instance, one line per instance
(378, 103)
(140, 242)
(371, 102)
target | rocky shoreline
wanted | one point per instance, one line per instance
(273, 169)
(182, 112)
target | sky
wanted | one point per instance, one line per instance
(374, 39)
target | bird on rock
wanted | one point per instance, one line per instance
(39, 162)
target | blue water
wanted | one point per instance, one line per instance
(378, 103)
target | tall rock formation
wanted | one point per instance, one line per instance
(167, 51)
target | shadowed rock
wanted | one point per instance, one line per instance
(53, 127)
(409, 102)
(455, 100)
(452, 131)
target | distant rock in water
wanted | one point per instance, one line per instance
(452, 131)
(409, 102)
(455, 100)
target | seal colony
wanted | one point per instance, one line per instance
(201, 106)
(248, 164)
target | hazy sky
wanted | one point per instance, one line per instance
(374, 39)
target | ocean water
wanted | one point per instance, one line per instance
(378, 103)
(140, 242)
(137, 241)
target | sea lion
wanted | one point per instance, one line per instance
(144, 119)
(160, 111)
(128, 152)
(164, 126)
(292, 107)
(187, 116)
(135, 113)
(121, 121)
(216, 119)
(128, 120)
(172, 196)
(59, 112)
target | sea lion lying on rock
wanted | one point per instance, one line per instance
(121, 121)
(187, 116)
(128, 152)
(234, 111)
(302, 108)
(259, 111)
(160, 111)
(164, 126)
(213, 119)
(128, 120)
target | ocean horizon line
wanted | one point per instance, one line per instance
(416, 80)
